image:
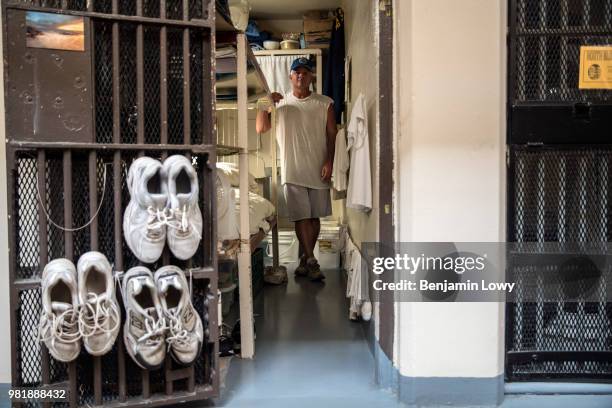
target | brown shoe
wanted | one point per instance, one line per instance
(302, 269)
(314, 270)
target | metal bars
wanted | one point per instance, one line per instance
(560, 194)
(146, 11)
(55, 189)
(544, 53)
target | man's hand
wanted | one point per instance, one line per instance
(276, 97)
(326, 171)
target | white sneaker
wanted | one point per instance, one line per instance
(145, 218)
(185, 332)
(185, 229)
(144, 328)
(59, 321)
(99, 316)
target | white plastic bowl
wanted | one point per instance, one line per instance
(271, 45)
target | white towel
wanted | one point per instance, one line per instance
(341, 163)
(359, 192)
(354, 288)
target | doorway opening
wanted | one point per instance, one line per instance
(308, 322)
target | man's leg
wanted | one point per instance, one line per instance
(298, 206)
(303, 230)
(316, 229)
(314, 270)
(320, 204)
(312, 234)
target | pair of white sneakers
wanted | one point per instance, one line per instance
(163, 207)
(78, 304)
(160, 317)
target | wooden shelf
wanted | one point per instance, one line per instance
(256, 83)
(224, 150)
(307, 51)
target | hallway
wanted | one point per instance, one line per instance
(308, 354)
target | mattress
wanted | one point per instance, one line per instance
(228, 210)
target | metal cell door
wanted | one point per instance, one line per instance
(140, 82)
(559, 158)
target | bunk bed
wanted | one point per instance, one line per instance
(262, 213)
(239, 90)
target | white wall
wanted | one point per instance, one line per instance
(361, 36)
(450, 170)
(5, 341)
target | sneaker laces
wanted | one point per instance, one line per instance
(179, 220)
(96, 313)
(154, 330)
(64, 326)
(178, 335)
(157, 219)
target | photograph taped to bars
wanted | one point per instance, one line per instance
(55, 31)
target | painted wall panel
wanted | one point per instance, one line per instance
(450, 152)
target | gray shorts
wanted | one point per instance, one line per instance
(304, 202)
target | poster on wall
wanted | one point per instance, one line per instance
(595, 67)
(55, 31)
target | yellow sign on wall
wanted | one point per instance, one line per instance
(595, 67)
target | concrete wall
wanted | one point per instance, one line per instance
(361, 35)
(450, 187)
(5, 341)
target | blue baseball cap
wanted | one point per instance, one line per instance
(301, 62)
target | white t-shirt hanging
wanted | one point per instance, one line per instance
(359, 192)
(341, 163)
(301, 133)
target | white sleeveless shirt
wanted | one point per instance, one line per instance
(302, 139)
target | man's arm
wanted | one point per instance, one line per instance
(331, 131)
(262, 122)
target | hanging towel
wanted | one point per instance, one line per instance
(356, 288)
(341, 166)
(334, 71)
(359, 192)
(276, 70)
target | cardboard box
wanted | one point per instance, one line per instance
(319, 37)
(320, 46)
(317, 26)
